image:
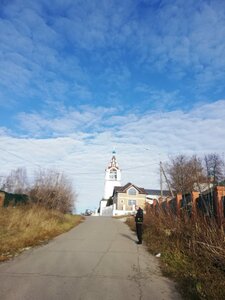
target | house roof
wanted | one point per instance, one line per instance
(123, 189)
(157, 192)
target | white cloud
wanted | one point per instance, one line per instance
(159, 98)
(185, 38)
(84, 156)
(62, 120)
(44, 46)
(55, 58)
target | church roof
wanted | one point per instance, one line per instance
(113, 163)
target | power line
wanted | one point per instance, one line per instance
(101, 172)
(20, 157)
(79, 173)
(142, 166)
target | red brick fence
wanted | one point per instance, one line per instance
(210, 203)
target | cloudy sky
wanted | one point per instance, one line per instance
(80, 78)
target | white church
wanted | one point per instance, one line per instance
(121, 200)
(112, 179)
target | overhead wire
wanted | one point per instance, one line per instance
(20, 157)
(78, 173)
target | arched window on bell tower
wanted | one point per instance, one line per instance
(113, 174)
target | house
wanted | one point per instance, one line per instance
(152, 195)
(126, 197)
(9, 199)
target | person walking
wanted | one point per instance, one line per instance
(139, 221)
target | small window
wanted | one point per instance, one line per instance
(113, 175)
(132, 191)
(131, 202)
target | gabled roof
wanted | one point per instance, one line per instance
(157, 192)
(123, 189)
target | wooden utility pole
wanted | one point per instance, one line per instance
(167, 181)
(161, 183)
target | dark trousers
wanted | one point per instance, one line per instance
(139, 232)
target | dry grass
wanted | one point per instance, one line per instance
(26, 226)
(192, 252)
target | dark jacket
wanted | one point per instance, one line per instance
(139, 216)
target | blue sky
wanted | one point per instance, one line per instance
(88, 76)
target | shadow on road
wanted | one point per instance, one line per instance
(128, 237)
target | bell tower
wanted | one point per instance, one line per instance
(112, 177)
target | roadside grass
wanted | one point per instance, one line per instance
(192, 252)
(27, 226)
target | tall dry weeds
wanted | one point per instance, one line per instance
(26, 226)
(193, 251)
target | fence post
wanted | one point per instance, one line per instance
(219, 193)
(178, 204)
(194, 197)
(167, 203)
(154, 205)
(168, 208)
(2, 198)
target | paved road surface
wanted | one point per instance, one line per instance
(97, 260)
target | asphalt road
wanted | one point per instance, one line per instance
(97, 260)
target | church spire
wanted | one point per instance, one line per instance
(113, 163)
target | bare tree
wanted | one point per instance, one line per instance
(184, 172)
(2, 181)
(54, 191)
(214, 167)
(16, 181)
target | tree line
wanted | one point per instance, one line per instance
(49, 188)
(187, 173)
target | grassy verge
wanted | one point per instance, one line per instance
(23, 227)
(192, 253)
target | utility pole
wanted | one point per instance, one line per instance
(223, 168)
(161, 183)
(167, 181)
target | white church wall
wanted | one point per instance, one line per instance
(111, 211)
(103, 204)
(107, 211)
(109, 187)
(123, 212)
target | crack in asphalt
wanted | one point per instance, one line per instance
(64, 276)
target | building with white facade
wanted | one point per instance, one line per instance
(112, 179)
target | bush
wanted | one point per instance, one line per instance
(54, 191)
